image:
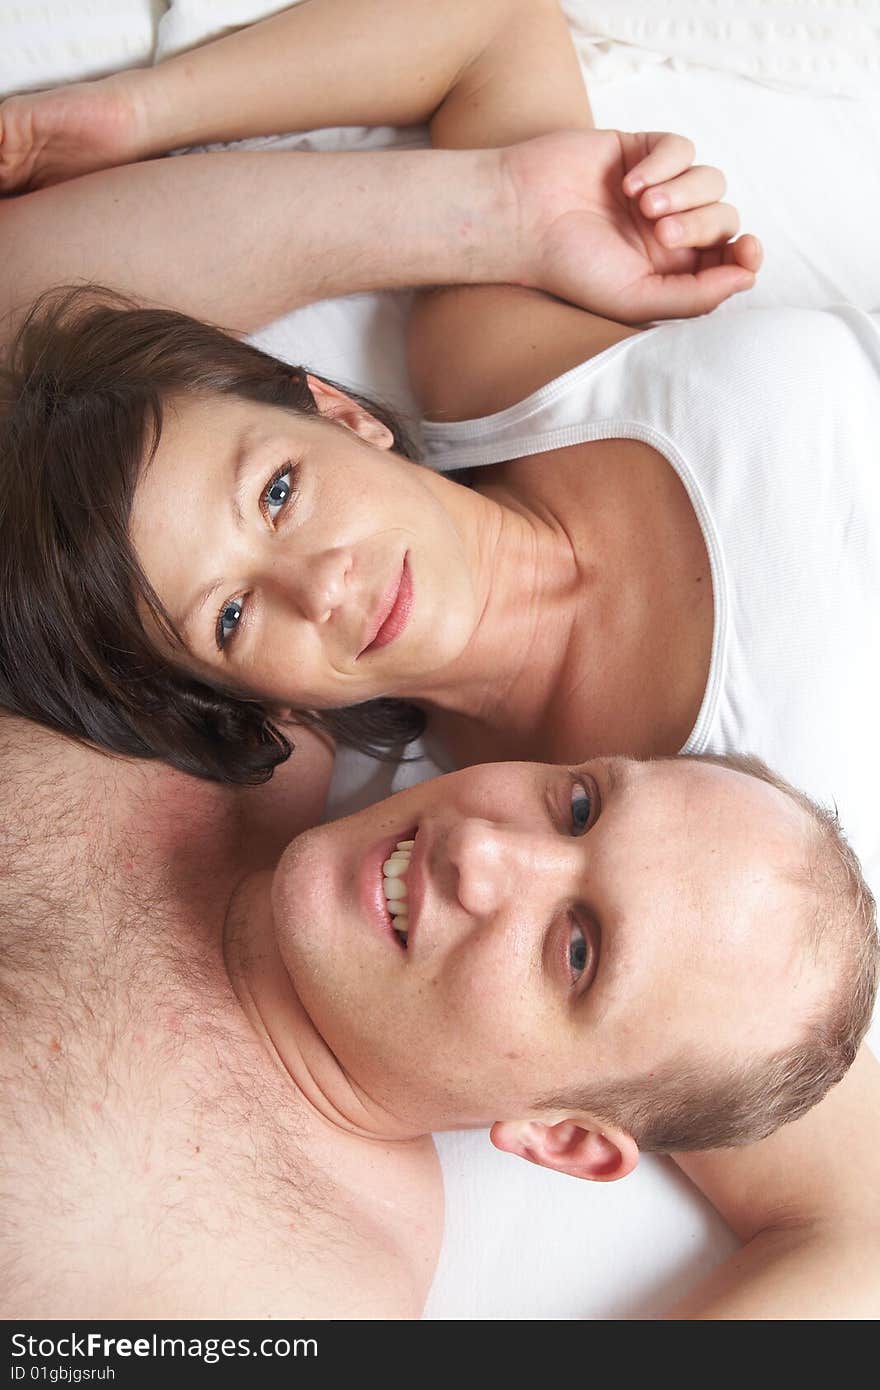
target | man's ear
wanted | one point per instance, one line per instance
(334, 404)
(581, 1148)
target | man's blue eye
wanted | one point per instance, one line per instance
(577, 950)
(581, 808)
(230, 616)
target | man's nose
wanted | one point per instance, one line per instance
(318, 584)
(498, 865)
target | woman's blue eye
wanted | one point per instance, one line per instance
(581, 808)
(577, 950)
(227, 622)
(276, 494)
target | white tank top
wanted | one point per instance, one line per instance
(771, 419)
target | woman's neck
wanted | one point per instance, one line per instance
(595, 610)
(528, 583)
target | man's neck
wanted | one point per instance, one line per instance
(270, 1002)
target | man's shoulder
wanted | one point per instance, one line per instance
(156, 1160)
(156, 1163)
(153, 1154)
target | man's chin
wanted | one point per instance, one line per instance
(301, 865)
(296, 883)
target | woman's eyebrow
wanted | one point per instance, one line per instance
(239, 459)
(237, 462)
(188, 625)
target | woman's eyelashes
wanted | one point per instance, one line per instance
(274, 497)
(228, 620)
(278, 492)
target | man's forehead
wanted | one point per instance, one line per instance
(720, 848)
(726, 796)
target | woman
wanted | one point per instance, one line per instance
(455, 638)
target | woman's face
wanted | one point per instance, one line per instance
(300, 558)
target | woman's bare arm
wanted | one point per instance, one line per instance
(325, 63)
(241, 238)
(488, 75)
(340, 62)
(244, 237)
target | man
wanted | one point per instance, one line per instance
(219, 1081)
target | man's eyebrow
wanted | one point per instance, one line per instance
(618, 776)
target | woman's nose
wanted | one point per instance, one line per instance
(497, 865)
(319, 584)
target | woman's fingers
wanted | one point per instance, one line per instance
(696, 188)
(667, 157)
(746, 251)
(682, 201)
(703, 281)
(700, 227)
(685, 296)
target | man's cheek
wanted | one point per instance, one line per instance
(475, 1017)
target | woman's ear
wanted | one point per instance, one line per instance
(583, 1148)
(334, 404)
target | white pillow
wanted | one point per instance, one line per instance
(829, 49)
(47, 42)
(189, 22)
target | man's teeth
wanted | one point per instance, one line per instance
(394, 882)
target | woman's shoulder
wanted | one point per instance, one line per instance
(476, 351)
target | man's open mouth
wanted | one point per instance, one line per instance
(396, 888)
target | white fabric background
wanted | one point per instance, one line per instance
(45, 42)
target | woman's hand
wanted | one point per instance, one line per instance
(49, 137)
(628, 226)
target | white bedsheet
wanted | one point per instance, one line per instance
(803, 168)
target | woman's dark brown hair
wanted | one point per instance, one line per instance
(81, 414)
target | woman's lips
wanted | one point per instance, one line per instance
(393, 613)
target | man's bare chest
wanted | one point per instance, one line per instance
(176, 1172)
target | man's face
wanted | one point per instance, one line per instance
(565, 928)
